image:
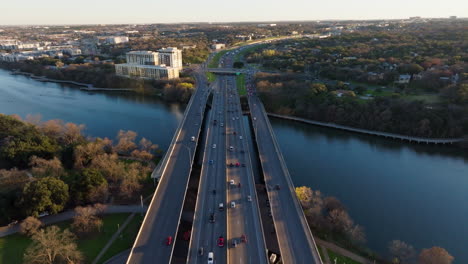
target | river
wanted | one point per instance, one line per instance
(395, 190)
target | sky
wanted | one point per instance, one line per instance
(28, 12)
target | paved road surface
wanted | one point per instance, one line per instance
(162, 218)
(212, 178)
(295, 239)
(245, 218)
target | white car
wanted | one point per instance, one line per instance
(192, 139)
(240, 137)
(233, 204)
(249, 198)
(231, 182)
(214, 145)
(210, 258)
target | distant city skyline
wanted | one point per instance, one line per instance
(29, 12)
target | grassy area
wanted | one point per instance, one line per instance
(240, 81)
(126, 239)
(215, 60)
(382, 92)
(241, 54)
(340, 259)
(12, 247)
(210, 76)
(427, 98)
(322, 256)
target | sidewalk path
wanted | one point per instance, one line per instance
(327, 245)
(52, 219)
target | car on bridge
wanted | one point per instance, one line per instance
(210, 258)
(169, 240)
(220, 241)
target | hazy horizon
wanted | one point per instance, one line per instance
(53, 12)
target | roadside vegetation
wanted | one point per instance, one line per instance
(215, 60)
(240, 81)
(354, 79)
(50, 167)
(65, 241)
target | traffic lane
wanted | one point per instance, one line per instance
(148, 237)
(250, 253)
(290, 229)
(151, 242)
(202, 214)
(255, 229)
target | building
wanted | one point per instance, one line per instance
(143, 57)
(171, 57)
(72, 51)
(116, 39)
(403, 79)
(151, 65)
(146, 71)
(218, 46)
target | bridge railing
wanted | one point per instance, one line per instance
(290, 183)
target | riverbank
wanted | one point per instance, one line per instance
(373, 133)
(83, 86)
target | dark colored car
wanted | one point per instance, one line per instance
(212, 218)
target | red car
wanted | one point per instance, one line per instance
(221, 241)
(169, 240)
(243, 238)
(237, 164)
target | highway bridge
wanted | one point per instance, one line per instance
(226, 157)
(164, 212)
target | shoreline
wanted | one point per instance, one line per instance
(371, 132)
(83, 86)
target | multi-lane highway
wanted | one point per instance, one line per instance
(244, 224)
(227, 158)
(209, 221)
(294, 237)
(163, 215)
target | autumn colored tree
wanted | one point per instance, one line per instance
(43, 168)
(86, 221)
(29, 226)
(435, 255)
(52, 246)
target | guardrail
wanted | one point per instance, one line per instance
(290, 183)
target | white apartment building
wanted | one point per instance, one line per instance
(116, 39)
(146, 71)
(142, 58)
(171, 57)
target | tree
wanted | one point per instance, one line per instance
(46, 194)
(43, 168)
(401, 251)
(90, 187)
(435, 255)
(52, 246)
(86, 221)
(126, 142)
(29, 226)
(317, 88)
(20, 141)
(238, 64)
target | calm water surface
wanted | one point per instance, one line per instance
(415, 193)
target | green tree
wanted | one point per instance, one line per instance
(90, 187)
(46, 194)
(20, 141)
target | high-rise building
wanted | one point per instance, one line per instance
(148, 64)
(171, 57)
(146, 71)
(142, 57)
